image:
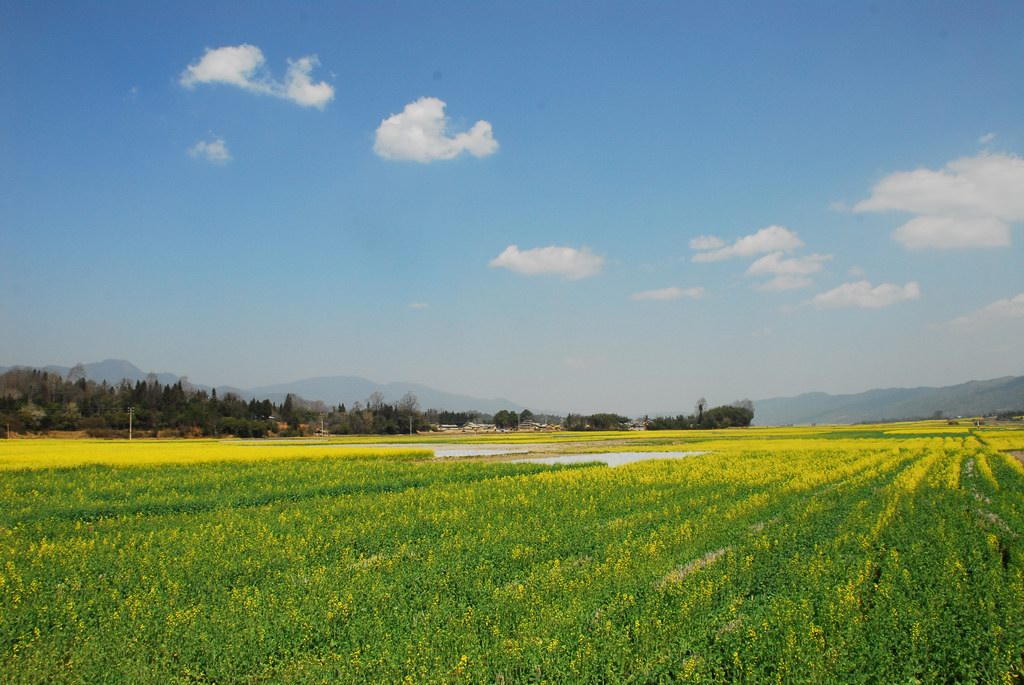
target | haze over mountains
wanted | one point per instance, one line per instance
(966, 399)
(347, 390)
(333, 390)
(973, 398)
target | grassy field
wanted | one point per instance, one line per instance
(874, 554)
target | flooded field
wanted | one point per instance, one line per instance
(609, 458)
(443, 450)
(478, 451)
(547, 453)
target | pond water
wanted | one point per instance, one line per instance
(477, 451)
(609, 458)
(447, 450)
(439, 450)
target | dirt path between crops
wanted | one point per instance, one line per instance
(1019, 455)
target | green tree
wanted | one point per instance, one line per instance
(505, 419)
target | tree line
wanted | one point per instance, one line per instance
(33, 400)
(596, 422)
(738, 414)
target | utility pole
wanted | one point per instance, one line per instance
(131, 413)
(322, 417)
(410, 424)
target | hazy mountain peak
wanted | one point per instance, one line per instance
(883, 404)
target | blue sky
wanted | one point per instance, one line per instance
(578, 206)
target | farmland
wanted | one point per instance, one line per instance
(835, 554)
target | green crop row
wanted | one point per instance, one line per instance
(830, 563)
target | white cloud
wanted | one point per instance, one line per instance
(785, 282)
(418, 305)
(243, 66)
(863, 294)
(769, 239)
(985, 185)
(671, 293)
(568, 262)
(775, 264)
(968, 203)
(946, 232)
(300, 89)
(1007, 308)
(987, 138)
(789, 274)
(236, 65)
(214, 150)
(706, 242)
(419, 133)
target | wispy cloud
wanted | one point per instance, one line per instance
(862, 294)
(1006, 308)
(671, 293)
(788, 274)
(768, 239)
(418, 305)
(243, 66)
(968, 203)
(568, 262)
(706, 242)
(987, 138)
(214, 150)
(420, 134)
(784, 282)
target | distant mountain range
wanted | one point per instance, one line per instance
(347, 390)
(112, 371)
(333, 390)
(967, 399)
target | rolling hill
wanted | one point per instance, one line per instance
(967, 399)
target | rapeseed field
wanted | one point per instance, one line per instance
(879, 554)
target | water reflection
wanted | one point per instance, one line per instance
(609, 458)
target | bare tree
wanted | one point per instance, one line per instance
(375, 401)
(76, 373)
(409, 403)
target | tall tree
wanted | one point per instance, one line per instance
(77, 372)
(375, 401)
